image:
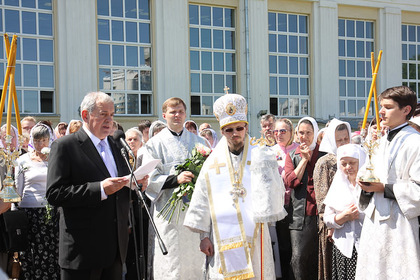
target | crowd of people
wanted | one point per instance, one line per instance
(71, 178)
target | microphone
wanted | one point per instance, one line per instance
(120, 136)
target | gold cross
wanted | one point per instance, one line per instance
(226, 89)
(217, 166)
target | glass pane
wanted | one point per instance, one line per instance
(304, 106)
(193, 14)
(18, 75)
(219, 83)
(273, 85)
(132, 56)
(303, 45)
(206, 61)
(195, 105)
(12, 2)
(272, 21)
(29, 49)
(229, 18)
(146, 80)
(116, 8)
(144, 31)
(45, 4)
(351, 108)
(131, 32)
(30, 99)
(283, 86)
(195, 82)
(361, 89)
(369, 30)
(294, 106)
(412, 52)
(104, 79)
(117, 55)
(272, 43)
(283, 65)
(133, 104)
(103, 29)
(1, 74)
(369, 49)
(292, 23)
(342, 85)
(1, 20)
(272, 64)
(230, 62)
(145, 58)
(293, 65)
(404, 71)
(28, 3)
(217, 16)
(207, 105)
(104, 54)
(132, 80)
(119, 103)
(418, 76)
(205, 18)
(130, 9)
(342, 108)
(194, 37)
(282, 40)
(103, 7)
(361, 69)
(206, 83)
(293, 47)
(350, 28)
(12, 21)
(342, 68)
(341, 27)
(30, 75)
(45, 24)
(144, 13)
(46, 76)
(341, 47)
(218, 39)
(282, 22)
(294, 86)
(304, 86)
(411, 33)
(274, 106)
(412, 71)
(117, 30)
(205, 38)
(351, 88)
(404, 32)
(360, 49)
(303, 66)
(283, 107)
(230, 40)
(194, 60)
(28, 22)
(350, 68)
(368, 69)
(303, 24)
(218, 63)
(361, 108)
(231, 83)
(350, 48)
(360, 29)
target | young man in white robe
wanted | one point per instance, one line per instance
(172, 145)
(239, 190)
(389, 244)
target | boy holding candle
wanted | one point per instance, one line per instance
(389, 244)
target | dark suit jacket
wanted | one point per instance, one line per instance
(91, 231)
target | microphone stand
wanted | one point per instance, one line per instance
(141, 198)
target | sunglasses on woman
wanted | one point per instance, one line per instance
(281, 131)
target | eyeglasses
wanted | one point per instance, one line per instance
(281, 131)
(239, 128)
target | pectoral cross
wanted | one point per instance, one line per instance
(217, 166)
(238, 190)
(226, 89)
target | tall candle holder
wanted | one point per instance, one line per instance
(370, 144)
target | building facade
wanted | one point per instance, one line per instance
(290, 58)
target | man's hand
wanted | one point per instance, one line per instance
(112, 185)
(185, 177)
(372, 186)
(144, 181)
(206, 247)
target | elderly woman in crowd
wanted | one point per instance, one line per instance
(40, 260)
(336, 134)
(299, 170)
(60, 129)
(156, 127)
(342, 212)
(210, 135)
(191, 126)
(133, 137)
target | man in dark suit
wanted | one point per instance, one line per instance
(85, 180)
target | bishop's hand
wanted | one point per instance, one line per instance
(206, 246)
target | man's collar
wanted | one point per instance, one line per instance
(175, 133)
(392, 133)
(92, 137)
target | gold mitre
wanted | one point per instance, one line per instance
(230, 108)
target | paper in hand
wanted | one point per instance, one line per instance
(144, 169)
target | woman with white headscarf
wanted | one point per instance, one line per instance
(210, 135)
(40, 260)
(299, 168)
(342, 212)
(336, 134)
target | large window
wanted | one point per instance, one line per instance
(411, 57)
(212, 56)
(355, 44)
(124, 47)
(288, 64)
(32, 21)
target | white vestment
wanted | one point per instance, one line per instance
(184, 260)
(389, 243)
(230, 222)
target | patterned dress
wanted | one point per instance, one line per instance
(324, 172)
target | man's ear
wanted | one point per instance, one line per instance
(85, 115)
(164, 115)
(407, 110)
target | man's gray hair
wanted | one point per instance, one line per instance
(90, 100)
(267, 117)
(135, 130)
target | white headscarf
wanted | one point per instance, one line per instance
(16, 138)
(153, 125)
(341, 195)
(315, 127)
(31, 146)
(68, 126)
(328, 143)
(214, 135)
